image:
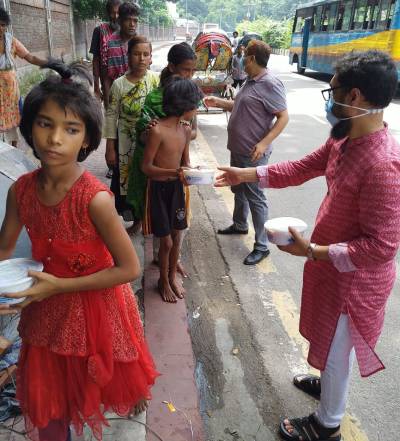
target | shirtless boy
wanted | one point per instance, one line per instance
(166, 152)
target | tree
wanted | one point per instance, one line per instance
(197, 9)
(88, 9)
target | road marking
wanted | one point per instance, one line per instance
(282, 300)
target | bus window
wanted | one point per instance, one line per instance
(372, 14)
(299, 22)
(317, 18)
(332, 16)
(325, 18)
(383, 15)
(390, 15)
(344, 16)
(359, 14)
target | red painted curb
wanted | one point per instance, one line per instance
(168, 337)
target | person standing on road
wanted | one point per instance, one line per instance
(239, 74)
(351, 266)
(10, 48)
(235, 40)
(127, 97)
(117, 46)
(259, 115)
(99, 45)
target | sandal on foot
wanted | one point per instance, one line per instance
(308, 383)
(308, 429)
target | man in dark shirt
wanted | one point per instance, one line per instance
(98, 46)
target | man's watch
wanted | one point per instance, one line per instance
(310, 251)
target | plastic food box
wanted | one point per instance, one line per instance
(14, 277)
(278, 232)
(199, 176)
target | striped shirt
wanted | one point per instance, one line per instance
(117, 56)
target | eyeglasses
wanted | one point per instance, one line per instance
(326, 93)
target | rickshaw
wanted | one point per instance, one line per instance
(213, 66)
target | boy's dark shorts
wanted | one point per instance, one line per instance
(167, 207)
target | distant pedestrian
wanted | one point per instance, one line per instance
(10, 48)
(167, 150)
(258, 116)
(351, 265)
(99, 45)
(117, 45)
(127, 97)
(239, 74)
(235, 40)
(83, 348)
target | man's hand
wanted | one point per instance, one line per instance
(111, 154)
(46, 286)
(258, 151)
(298, 247)
(211, 101)
(8, 310)
(230, 176)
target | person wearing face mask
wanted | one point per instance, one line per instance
(259, 115)
(98, 46)
(239, 75)
(351, 265)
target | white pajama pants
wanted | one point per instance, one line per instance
(335, 378)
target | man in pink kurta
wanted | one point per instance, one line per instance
(350, 270)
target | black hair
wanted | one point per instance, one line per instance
(372, 72)
(138, 39)
(68, 94)
(260, 50)
(178, 54)
(180, 95)
(4, 16)
(235, 32)
(128, 9)
(110, 4)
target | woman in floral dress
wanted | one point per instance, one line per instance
(10, 48)
(127, 97)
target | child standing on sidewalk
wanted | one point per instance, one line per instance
(83, 349)
(167, 150)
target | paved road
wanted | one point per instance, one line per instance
(254, 311)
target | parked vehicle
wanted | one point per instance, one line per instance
(325, 30)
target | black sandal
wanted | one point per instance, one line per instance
(308, 383)
(308, 429)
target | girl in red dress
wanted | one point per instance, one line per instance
(83, 349)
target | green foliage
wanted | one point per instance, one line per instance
(88, 9)
(30, 79)
(152, 11)
(276, 33)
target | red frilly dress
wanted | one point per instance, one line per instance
(83, 353)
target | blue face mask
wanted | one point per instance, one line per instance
(333, 120)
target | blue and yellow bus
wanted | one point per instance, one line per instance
(325, 30)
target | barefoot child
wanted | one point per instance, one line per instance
(83, 350)
(167, 150)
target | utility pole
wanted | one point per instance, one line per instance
(187, 22)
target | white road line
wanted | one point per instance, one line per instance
(320, 120)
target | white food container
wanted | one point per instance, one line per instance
(278, 229)
(199, 176)
(14, 277)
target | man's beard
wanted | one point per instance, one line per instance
(114, 26)
(341, 129)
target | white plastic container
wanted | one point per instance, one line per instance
(14, 277)
(278, 229)
(199, 176)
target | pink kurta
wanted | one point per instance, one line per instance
(361, 209)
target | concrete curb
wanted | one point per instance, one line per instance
(167, 335)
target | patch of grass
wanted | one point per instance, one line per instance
(30, 79)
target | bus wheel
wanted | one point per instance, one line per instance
(300, 69)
